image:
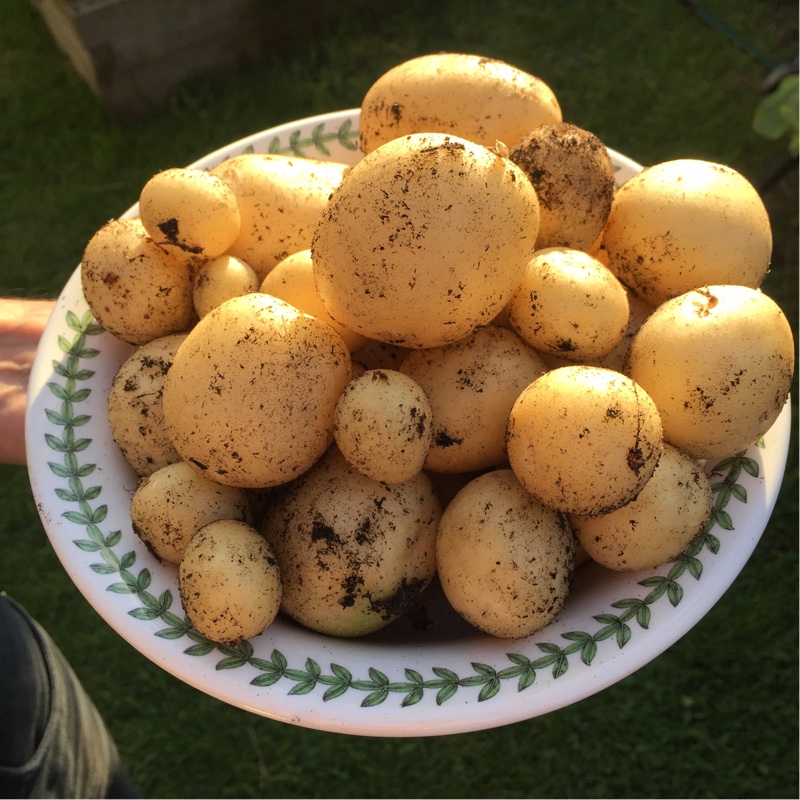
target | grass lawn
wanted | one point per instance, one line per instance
(716, 715)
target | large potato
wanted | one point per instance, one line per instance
(584, 440)
(655, 527)
(477, 98)
(280, 199)
(504, 559)
(174, 502)
(425, 239)
(135, 411)
(229, 582)
(136, 290)
(250, 397)
(684, 224)
(472, 385)
(354, 553)
(718, 362)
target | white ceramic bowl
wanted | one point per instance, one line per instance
(443, 678)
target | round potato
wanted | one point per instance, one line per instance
(250, 398)
(136, 290)
(477, 98)
(504, 560)
(292, 280)
(229, 582)
(472, 385)
(718, 362)
(280, 199)
(190, 212)
(658, 525)
(685, 224)
(174, 502)
(571, 171)
(354, 553)
(569, 305)
(221, 279)
(135, 412)
(383, 425)
(425, 239)
(584, 440)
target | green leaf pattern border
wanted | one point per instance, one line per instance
(620, 625)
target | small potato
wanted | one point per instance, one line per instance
(476, 98)
(135, 412)
(292, 280)
(136, 290)
(571, 171)
(383, 425)
(219, 280)
(229, 582)
(504, 560)
(472, 385)
(569, 305)
(685, 224)
(719, 363)
(406, 252)
(658, 525)
(250, 398)
(280, 199)
(354, 553)
(584, 440)
(190, 212)
(174, 502)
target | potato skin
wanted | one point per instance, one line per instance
(719, 363)
(135, 289)
(406, 253)
(504, 560)
(354, 553)
(229, 582)
(135, 411)
(584, 440)
(477, 98)
(250, 398)
(472, 385)
(658, 525)
(174, 502)
(280, 200)
(684, 224)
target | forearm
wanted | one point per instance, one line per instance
(21, 326)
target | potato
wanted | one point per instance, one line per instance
(472, 385)
(504, 560)
(249, 400)
(718, 362)
(221, 279)
(135, 412)
(354, 553)
(383, 425)
(480, 99)
(569, 305)
(584, 440)
(280, 199)
(292, 280)
(229, 582)
(571, 171)
(136, 290)
(174, 502)
(190, 212)
(425, 239)
(658, 525)
(684, 224)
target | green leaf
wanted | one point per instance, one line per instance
(375, 698)
(54, 443)
(777, 113)
(103, 569)
(445, 693)
(279, 660)
(413, 676)
(86, 545)
(120, 588)
(696, 568)
(68, 497)
(76, 517)
(548, 647)
(588, 652)
(231, 662)
(336, 691)
(144, 614)
(413, 697)
(723, 519)
(267, 679)
(170, 633)
(739, 492)
(643, 615)
(526, 679)
(675, 593)
(623, 635)
(199, 649)
(303, 687)
(518, 658)
(560, 667)
(489, 690)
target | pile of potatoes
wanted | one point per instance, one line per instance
(468, 356)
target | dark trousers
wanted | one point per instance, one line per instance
(53, 742)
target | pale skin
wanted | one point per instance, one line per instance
(22, 323)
